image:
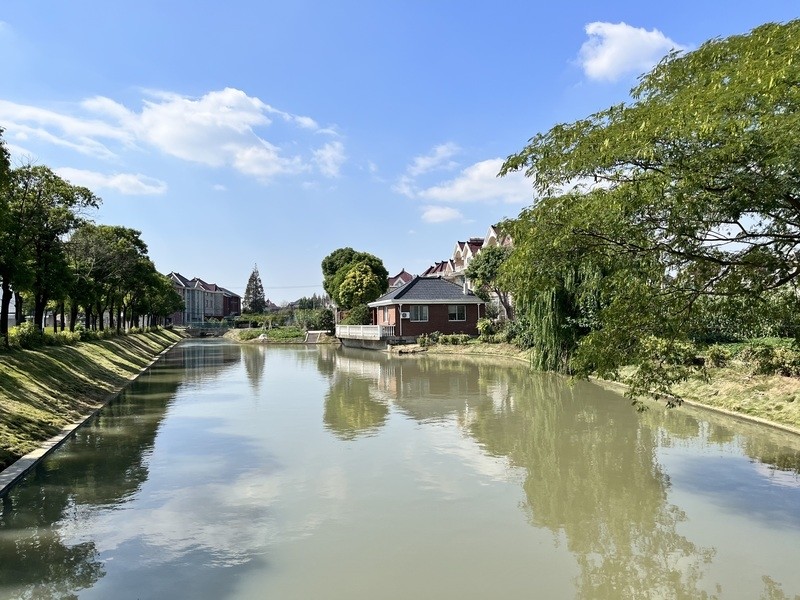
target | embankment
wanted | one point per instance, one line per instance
(42, 391)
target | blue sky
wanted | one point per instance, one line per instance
(275, 132)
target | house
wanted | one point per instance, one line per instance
(442, 268)
(423, 305)
(202, 300)
(401, 278)
(463, 254)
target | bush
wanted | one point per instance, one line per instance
(285, 333)
(250, 334)
(718, 356)
(520, 333)
(486, 329)
(359, 315)
(454, 339)
(25, 336)
(765, 359)
(61, 338)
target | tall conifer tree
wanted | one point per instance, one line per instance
(254, 300)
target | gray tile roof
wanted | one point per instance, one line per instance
(428, 289)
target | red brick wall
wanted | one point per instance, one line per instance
(438, 320)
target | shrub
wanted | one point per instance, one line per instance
(61, 338)
(359, 315)
(520, 333)
(250, 334)
(25, 335)
(486, 328)
(454, 339)
(286, 333)
(765, 359)
(718, 356)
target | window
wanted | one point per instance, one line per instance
(457, 312)
(419, 313)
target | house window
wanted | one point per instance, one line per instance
(457, 312)
(419, 312)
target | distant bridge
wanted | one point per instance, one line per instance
(207, 329)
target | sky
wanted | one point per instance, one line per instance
(272, 133)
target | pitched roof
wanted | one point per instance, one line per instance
(402, 277)
(428, 290)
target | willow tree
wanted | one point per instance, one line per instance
(690, 190)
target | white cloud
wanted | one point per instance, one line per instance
(222, 128)
(330, 158)
(439, 158)
(80, 135)
(480, 183)
(125, 183)
(405, 186)
(440, 214)
(617, 49)
(218, 187)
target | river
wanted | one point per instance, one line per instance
(294, 472)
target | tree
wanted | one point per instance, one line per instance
(254, 300)
(41, 210)
(690, 191)
(369, 280)
(484, 272)
(359, 285)
(10, 233)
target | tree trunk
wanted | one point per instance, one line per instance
(503, 297)
(111, 314)
(39, 304)
(5, 304)
(73, 315)
(17, 308)
(99, 317)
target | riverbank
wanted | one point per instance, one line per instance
(44, 390)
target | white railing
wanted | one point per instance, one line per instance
(365, 332)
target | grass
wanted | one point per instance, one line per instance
(276, 334)
(774, 398)
(45, 389)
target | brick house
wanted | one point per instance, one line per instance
(428, 304)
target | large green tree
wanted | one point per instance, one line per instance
(691, 190)
(353, 278)
(42, 209)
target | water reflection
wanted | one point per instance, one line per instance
(361, 462)
(102, 465)
(254, 361)
(590, 462)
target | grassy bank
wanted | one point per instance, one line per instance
(45, 389)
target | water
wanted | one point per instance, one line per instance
(294, 472)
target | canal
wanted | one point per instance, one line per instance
(232, 471)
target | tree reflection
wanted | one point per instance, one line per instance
(102, 465)
(349, 409)
(591, 474)
(254, 360)
(769, 447)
